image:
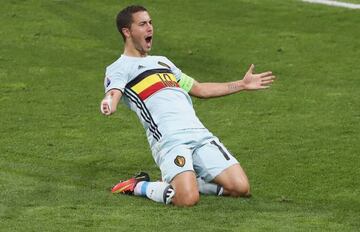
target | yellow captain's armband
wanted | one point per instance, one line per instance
(186, 82)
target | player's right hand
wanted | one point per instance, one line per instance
(105, 106)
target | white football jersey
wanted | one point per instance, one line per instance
(150, 88)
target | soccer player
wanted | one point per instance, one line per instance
(191, 159)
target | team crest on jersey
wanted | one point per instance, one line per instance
(179, 161)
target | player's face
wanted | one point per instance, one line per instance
(141, 32)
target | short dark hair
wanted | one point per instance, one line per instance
(124, 17)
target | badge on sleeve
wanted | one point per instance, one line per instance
(107, 82)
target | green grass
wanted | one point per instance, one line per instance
(351, 1)
(298, 141)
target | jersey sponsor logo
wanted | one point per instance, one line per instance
(180, 161)
(151, 81)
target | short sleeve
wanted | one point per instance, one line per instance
(115, 80)
(177, 72)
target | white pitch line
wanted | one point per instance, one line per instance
(335, 3)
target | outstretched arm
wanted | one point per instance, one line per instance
(109, 103)
(251, 81)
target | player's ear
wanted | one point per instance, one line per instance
(126, 32)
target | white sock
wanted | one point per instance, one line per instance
(209, 188)
(157, 191)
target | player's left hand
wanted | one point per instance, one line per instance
(254, 81)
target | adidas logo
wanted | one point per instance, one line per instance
(168, 194)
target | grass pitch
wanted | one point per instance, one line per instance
(298, 141)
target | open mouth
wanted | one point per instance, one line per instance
(148, 39)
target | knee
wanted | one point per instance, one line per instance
(239, 189)
(187, 199)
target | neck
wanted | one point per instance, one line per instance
(130, 50)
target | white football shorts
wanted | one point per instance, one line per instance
(195, 150)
